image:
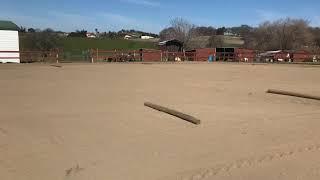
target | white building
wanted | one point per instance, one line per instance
(127, 37)
(147, 37)
(9, 42)
(91, 35)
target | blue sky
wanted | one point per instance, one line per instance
(151, 15)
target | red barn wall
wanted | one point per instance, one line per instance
(203, 54)
(302, 56)
(241, 54)
(151, 55)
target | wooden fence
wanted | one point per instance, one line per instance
(151, 55)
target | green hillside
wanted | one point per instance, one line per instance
(71, 43)
(232, 41)
(79, 44)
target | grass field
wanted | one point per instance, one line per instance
(88, 122)
(228, 41)
(105, 44)
(79, 44)
(231, 41)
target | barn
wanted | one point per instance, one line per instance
(225, 54)
(9, 42)
(202, 54)
(245, 55)
(173, 45)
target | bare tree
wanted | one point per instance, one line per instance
(316, 39)
(293, 33)
(265, 37)
(181, 30)
(281, 34)
(167, 34)
(205, 31)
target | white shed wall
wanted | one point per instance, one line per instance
(9, 41)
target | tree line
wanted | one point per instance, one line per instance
(282, 34)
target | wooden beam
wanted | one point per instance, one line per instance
(287, 93)
(58, 66)
(174, 113)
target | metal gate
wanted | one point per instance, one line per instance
(75, 56)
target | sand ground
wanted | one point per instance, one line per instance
(88, 122)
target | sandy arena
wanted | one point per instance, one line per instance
(88, 122)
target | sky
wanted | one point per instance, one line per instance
(151, 15)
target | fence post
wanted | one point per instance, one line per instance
(92, 53)
(57, 56)
(97, 54)
(134, 55)
(167, 53)
(161, 55)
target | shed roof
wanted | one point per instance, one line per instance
(170, 42)
(8, 25)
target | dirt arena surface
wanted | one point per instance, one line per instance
(88, 122)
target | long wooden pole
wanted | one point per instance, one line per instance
(174, 113)
(58, 66)
(287, 93)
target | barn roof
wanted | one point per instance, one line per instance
(8, 25)
(170, 42)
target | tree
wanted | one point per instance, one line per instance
(221, 31)
(281, 34)
(31, 30)
(43, 41)
(82, 33)
(215, 41)
(112, 35)
(242, 30)
(167, 34)
(264, 37)
(292, 33)
(205, 31)
(22, 29)
(316, 36)
(181, 30)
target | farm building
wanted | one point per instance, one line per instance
(203, 54)
(146, 37)
(245, 55)
(91, 35)
(149, 55)
(302, 56)
(173, 45)
(9, 42)
(286, 56)
(222, 54)
(225, 54)
(128, 37)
